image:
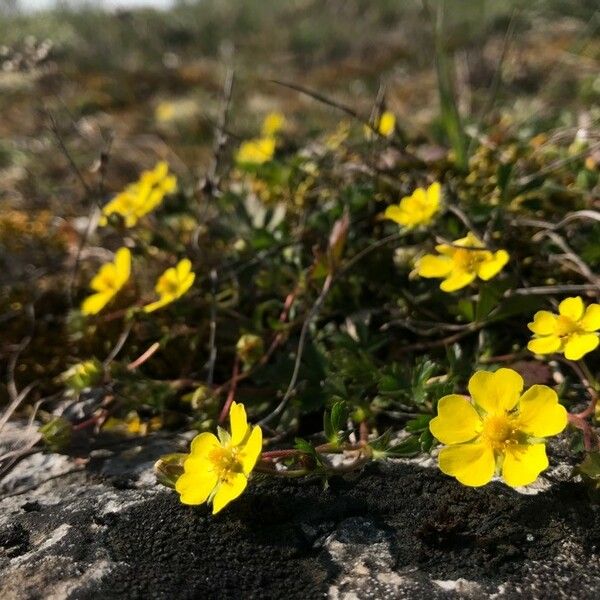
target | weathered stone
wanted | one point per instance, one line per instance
(397, 530)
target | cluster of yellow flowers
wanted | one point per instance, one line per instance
(262, 149)
(141, 197)
(458, 263)
(500, 430)
(112, 276)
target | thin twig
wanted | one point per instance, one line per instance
(212, 346)
(314, 311)
(118, 346)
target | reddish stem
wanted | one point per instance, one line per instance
(590, 440)
(144, 357)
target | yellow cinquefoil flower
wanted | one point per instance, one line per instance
(172, 284)
(497, 430)
(141, 197)
(107, 282)
(461, 262)
(385, 126)
(217, 469)
(417, 209)
(256, 151)
(272, 124)
(572, 332)
(387, 123)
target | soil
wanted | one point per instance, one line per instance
(269, 543)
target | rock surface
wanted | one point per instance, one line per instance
(396, 530)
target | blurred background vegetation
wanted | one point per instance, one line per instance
(90, 98)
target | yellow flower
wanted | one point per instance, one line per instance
(498, 430)
(141, 197)
(572, 332)
(107, 282)
(217, 469)
(387, 124)
(459, 263)
(165, 111)
(417, 209)
(172, 284)
(256, 151)
(272, 124)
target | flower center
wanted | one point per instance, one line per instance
(225, 462)
(468, 259)
(566, 326)
(499, 430)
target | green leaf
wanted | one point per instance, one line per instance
(333, 422)
(420, 423)
(407, 448)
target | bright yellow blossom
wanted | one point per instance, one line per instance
(387, 123)
(498, 430)
(272, 124)
(107, 282)
(417, 209)
(141, 197)
(256, 151)
(217, 469)
(165, 111)
(572, 332)
(385, 126)
(172, 284)
(459, 263)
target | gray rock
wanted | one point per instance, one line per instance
(397, 530)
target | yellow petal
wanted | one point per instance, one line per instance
(572, 308)
(251, 450)
(195, 488)
(544, 345)
(239, 423)
(272, 123)
(591, 319)
(471, 464)
(229, 490)
(457, 420)
(158, 304)
(544, 323)
(434, 192)
(93, 304)
(387, 123)
(496, 392)
(469, 241)
(185, 284)
(579, 344)
(397, 214)
(203, 443)
(434, 266)
(105, 279)
(183, 268)
(169, 184)
(123, 264)
(540, 414)
(457, 280)
(445, 249)
(491, 267)
(523, 463)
